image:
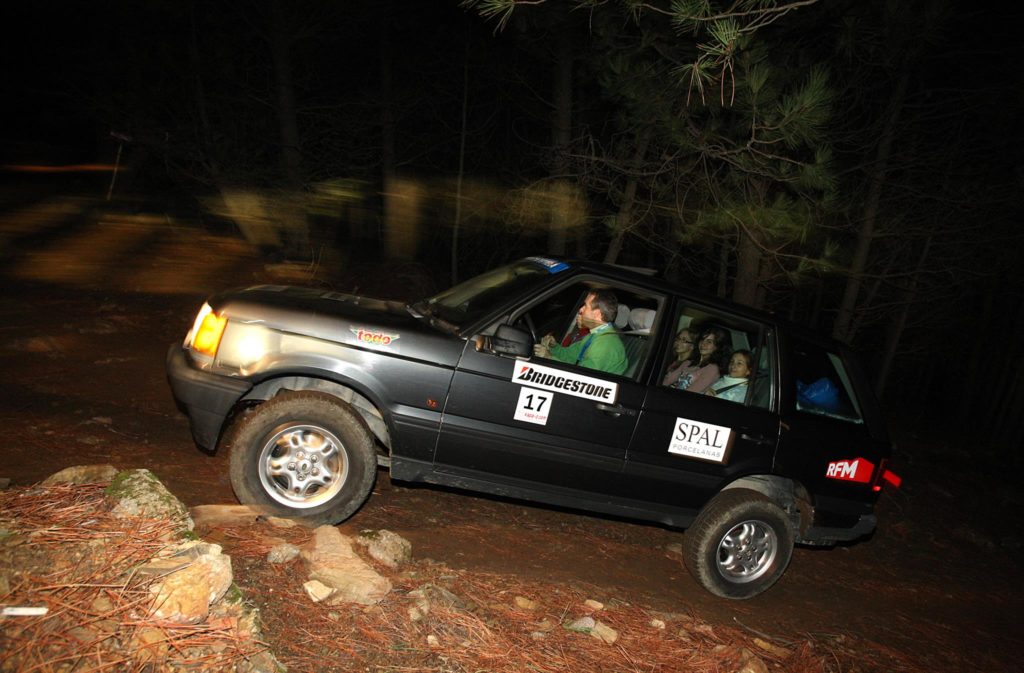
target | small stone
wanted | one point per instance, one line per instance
(593, 605)
(282, 553)
(385, 546)
(538, 635)
(751, 663)
(278, 522)
(317, 590)
(602, 631)
(658, 624)
(582, 625)
(524, 603)
(415, 615)
(149, 645)
(772, 649)
(432, 641)
(212, 516)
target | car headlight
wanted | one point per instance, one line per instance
(206, 332)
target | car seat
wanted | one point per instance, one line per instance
(637, 338)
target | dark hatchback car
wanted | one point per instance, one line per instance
(311, 390)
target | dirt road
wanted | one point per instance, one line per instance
(82, 359)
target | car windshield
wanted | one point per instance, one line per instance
(467, 302)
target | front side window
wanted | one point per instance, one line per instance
(594, 325)
(823, 386)
(718, 356)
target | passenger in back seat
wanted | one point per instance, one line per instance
(699, 370)
(733, 386)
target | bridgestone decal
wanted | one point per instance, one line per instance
(556, 380)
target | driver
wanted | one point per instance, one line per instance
(602, 348)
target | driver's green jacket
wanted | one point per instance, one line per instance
(602, 349)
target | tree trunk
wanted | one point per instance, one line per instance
(462, 165)
(562, 136)
(980, 350)
(748, 270)
(723, 269)
(205, 134)
(624, 218)
(895, 333)
(859, 263)
(297, 229)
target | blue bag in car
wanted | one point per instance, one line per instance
(822, 394)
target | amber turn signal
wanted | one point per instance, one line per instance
(207, 337)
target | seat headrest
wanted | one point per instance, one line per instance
(622, 317)
(642, 319)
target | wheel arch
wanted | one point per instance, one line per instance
(790, 495)
(368, 410)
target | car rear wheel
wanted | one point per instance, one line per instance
(303, 455)
(739, 545)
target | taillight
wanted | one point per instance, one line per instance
(886, 475)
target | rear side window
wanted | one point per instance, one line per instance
(823, 385)
(705, 345)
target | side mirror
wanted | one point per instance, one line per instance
(507, 340)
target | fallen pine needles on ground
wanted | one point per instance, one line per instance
(73, 601)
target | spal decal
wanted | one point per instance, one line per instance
(858, 470)
(373, 338)
(703, 441)
(556, 380)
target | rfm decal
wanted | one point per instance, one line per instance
(858, 470)
(375, 338)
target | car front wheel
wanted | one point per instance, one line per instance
(303, 455)
(739, 545)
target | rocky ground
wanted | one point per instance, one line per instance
(101, 571)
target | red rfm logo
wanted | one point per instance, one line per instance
(858, 470)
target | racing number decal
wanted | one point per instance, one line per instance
(533, 406)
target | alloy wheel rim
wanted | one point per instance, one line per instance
(302, 466)
(747, 551)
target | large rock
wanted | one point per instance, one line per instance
(190, 581)
(388, 547)
(83, 474)
(333, 562)
(140, 493)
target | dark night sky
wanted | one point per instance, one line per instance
(65, 62)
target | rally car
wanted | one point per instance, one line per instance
(311, 390)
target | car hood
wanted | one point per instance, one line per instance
(362, 322)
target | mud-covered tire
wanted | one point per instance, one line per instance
(303, 455)
(739, 545)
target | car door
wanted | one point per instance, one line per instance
(688, 445)
(537, 423)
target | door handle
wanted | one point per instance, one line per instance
(615, 409)
(757, 439)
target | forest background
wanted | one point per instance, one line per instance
(851, 165)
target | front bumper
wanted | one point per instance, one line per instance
(205, 398)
